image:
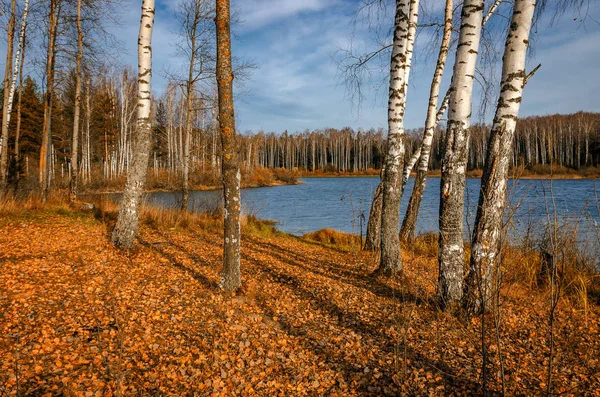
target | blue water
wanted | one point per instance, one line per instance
(338, 203)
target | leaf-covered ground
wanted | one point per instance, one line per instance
(78, 317)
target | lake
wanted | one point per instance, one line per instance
(338, 203)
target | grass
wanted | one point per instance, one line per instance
(334, 239)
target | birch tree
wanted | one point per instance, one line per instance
(231, 278)
(77, 109)
(19, 102)
(373, 234)
(10, 34)
(492, 196)
(127, 223)
(454, 162)
(17, 72)
(422, 153)
(405, 25)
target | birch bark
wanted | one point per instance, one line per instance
(407, 230)
(405, 25)
(127, 223)
(231, 279)
(492, 197)
(454, 162)
(373, 235)
(19, 102)
(17, 72)
(10, 30)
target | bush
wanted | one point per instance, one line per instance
(257, 177)
(286, 176)
(330, 237)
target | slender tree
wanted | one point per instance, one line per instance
(373, 235)
(231, 278)
(19, 103)
(10, 34)
(127, 223)
(423, 153)
(410, 218)
(492, 196)
(194, 16)
(454, 162)
(17, 72)
(45, 150)
(405, 25)
(77, 109)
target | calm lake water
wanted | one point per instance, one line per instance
(338, 203)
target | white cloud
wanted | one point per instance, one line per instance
(259, 13)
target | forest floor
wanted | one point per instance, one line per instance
(81, 318)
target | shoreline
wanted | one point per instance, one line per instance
(204, 188)
(199, 188)
(437, 174)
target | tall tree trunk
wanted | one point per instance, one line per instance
(45, 150)
(231, 278)
(454, 162)
(127, 223)
(185, 172)
(189, 115)
(10, 31)
(76, 111)
(373, 235)
(405, 26)
(19, 101)
(21, 48)
(88, 119)
(409, 223)
(492, 197)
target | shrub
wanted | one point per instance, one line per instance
(287, 176)
(330, 237)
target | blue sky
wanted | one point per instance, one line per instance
(296, 85)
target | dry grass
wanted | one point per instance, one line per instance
(287, 176)
(333, 238)
(425, 244)
(556, 172)
(258, 227)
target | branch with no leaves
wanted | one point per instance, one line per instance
(530, 74)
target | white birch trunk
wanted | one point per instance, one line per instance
(405, 26)
(492, 198)
(454, 162)
(127, 223)
(432, 119)
(8, 81)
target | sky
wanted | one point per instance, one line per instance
(297, 85)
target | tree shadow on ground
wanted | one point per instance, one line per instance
(206, 282)
(370, 331)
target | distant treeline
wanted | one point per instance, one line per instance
(108, 123)
(571, 141)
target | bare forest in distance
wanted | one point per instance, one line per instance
(134, 259)
(571, 143)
